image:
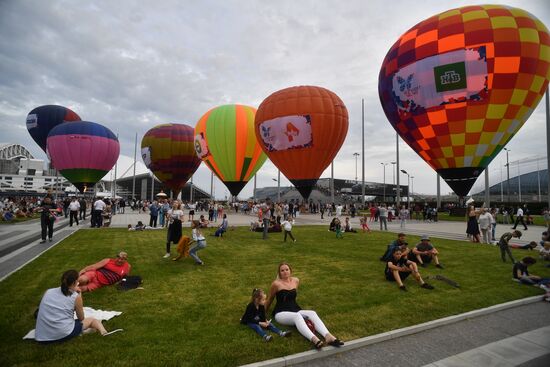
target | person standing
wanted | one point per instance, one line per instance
(97, 213)
(83, 206)
(74, 208)
(484, 220)
(383, 216)
(265, 210)
(175, 216)
(493, 224)
(472, 227)
(503, 244)
(153, 214)
(47, 218)
(519, 219)
(403, 216)
(66, 203)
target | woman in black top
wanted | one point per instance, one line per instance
(47, 218)
(287, 311)
(254, 316)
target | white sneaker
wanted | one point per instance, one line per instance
(167, 255)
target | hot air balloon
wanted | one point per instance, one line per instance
(301, 129)
(459, 85)
(225, 141)
(168, 151)
(41, 120)
(82, 151)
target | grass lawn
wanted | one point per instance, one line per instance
(189, 315)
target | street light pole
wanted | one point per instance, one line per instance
(393, 175)
(519, 183)
(398, 188)
(408, 187)
(412, 185)
(507, 173)
(384, 165)
(356, 155)
(279, 186)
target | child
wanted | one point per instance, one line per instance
(364, 224)
(521, 273)
(198, 237)
(338, 228)
(254, 316)
(288, 229)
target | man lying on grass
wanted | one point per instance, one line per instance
(105, 272)
(399, 268)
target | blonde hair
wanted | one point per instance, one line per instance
(279, 269)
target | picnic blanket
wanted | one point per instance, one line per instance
(88, 312)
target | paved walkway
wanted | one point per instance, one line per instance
(519, 336)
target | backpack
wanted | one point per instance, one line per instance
(129, 282)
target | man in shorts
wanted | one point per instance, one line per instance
(399, 268)
(423, 253)
(105, 272)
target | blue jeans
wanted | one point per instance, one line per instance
(260, 331)
(193, 252)
(493, 231)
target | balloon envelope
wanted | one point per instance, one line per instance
(301, 130)
(167, 150)
(225, 141)
(459, 85)
(83, 152)
(41, 120)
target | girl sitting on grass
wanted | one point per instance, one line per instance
(254, 317)
(198, 237)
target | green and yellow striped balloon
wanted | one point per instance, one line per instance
(225, 140)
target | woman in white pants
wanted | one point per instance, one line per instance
(287, 311)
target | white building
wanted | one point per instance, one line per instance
(21, 173)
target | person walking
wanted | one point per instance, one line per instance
(485, 220)
(519, 219)
(47, 218)
(82, 210)
(153, 214)
(403, 216)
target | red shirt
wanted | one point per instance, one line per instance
(112, 273)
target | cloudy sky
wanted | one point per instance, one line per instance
(131, 65)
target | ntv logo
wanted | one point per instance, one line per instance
(450, 77)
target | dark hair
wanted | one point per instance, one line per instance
(401, 234)
(67, 279)
(532, 244)
(528, 260)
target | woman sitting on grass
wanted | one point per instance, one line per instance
(254, 317)
(55, 321)
(287, 311)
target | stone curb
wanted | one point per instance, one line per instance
(393, 334)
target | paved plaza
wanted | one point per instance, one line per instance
(516, 335)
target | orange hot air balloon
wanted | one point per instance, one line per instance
(459, 85)
(301, 129)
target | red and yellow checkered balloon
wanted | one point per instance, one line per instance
(459, 85)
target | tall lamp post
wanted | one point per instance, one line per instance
(393, 174)
(408, 187)
(507, 174)
(384, 165)
(412, 185)
(356, 155)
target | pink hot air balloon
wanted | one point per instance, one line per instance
(82, 151)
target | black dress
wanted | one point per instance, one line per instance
(174, 231)
(286, 301)
(472, 227)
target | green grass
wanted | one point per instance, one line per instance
(189, 315)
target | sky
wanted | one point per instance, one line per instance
(131, 65)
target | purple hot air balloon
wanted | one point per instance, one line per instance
(83, 152)
(41, 120)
